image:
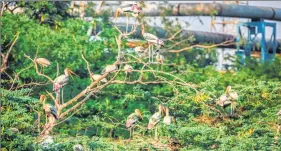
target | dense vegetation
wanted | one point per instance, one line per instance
(99, 124)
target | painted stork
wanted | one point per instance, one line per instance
(167, 119)
(98, 76)
(152, 41)
(61, 81)
(229, 98)
(128, 69)
(132, 119)
(159, 58)
(140, 51)
(109, 68)
(48, 108)
(43, 62)
(131, 8)
(155, 119)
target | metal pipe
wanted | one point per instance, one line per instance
(208, 9)
(200, 37)
(228, 10)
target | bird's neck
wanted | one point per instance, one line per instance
(167, 113)
(66, 73)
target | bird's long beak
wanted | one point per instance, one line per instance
(227, 89)
(116, 14)
(42, 98)
(141, 116)
(70, 72)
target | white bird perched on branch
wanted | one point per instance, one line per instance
(132, 120)
(62, 80)
(131, 8)
(152, 40)
(109, 68)
(155, 119)
(128, 69)
(140, 51)
(43, 62)
(98, 76)
(48, 108)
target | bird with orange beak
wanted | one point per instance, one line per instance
(230, 97)
(132, 120)
(48, 108)
(152, 41)
(62, 80)
(131, 8)
(155, 119)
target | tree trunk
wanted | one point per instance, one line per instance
(49, 125)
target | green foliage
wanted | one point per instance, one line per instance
(99, 124)
(17, 118)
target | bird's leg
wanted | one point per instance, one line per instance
(130, 133)
(156, 133)
(152, 54)
(58, 96)
(125, 76)
(127, 24)
(62, 96)
(148, 52)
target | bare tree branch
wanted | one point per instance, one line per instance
(36, 68)
(226, 43)
(5, 57)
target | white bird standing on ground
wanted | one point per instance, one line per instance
(132, 119)
(152, 40)
(61, 81)
(229, 98)
(155, 119)
(167, 119)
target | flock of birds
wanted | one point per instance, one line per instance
(134, 10)
(230, 97)
(153, 121)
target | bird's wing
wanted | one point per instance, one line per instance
(61, 80)
(155, 118)
(233, 95)
(148, 36)
(54, 111)
(130, 122)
